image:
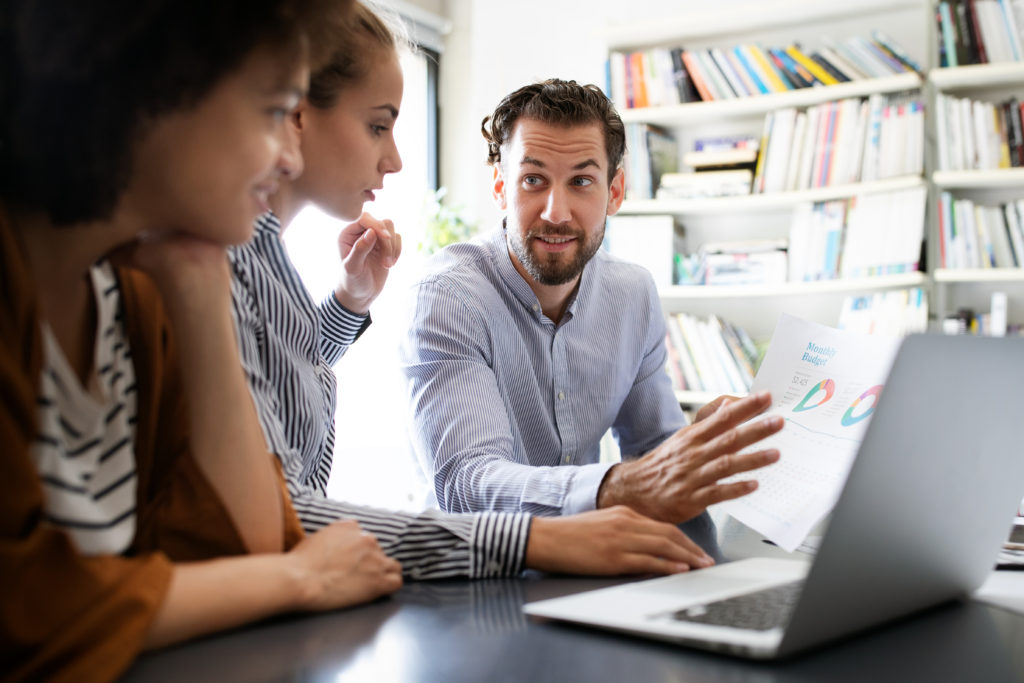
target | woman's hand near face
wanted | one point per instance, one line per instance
(368, 248)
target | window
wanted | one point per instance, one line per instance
(373, 463)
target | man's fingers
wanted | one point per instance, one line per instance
(729, 415)
(729, 464)
(723, 492)
(641, 563)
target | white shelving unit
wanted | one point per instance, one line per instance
(767, 216)
(972, 288)
(764, 202)
(673, 296)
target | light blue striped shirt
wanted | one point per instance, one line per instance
(287, 346)
(508, 408)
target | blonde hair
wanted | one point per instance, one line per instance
(371, 29)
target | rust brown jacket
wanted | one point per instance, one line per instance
(65, 616)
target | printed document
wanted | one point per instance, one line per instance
(825, 383)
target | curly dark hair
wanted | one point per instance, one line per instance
(83, 80)
(559, 102)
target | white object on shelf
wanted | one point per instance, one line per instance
(998, 314)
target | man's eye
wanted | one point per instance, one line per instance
(582, 182)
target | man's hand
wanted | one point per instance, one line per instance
(368, 248)
(341, 565)
(677, 480)
(615, 540)
(709, 409)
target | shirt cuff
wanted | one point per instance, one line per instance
(499, 544)
(582, 495)
(340, 325)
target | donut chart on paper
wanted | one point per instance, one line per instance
(869, 398)
(825, 387)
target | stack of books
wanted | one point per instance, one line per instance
(835, 143)
(750, 262)
(976, 236)
(978, 135)
(670, 76)
(709, 355)
(721, 167)
(979, 31)
(895, 313)
(868, 235)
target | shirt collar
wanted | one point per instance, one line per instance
(521, 288)
(268, 223)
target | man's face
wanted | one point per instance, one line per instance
(553, 184)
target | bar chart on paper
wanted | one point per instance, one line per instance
(825, 384)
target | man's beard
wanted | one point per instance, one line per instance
(548, 269)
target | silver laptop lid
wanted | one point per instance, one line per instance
(931, 493)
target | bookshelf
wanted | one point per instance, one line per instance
(954, 289)
(769, 215)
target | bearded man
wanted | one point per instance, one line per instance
(526, 346)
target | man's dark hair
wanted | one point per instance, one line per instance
(554, 101)
(82, 81)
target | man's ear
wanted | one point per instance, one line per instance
(498, 187)
(616, 191)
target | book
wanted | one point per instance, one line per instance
(813, 67)
(705, 184)
(697, 76)
(700, 159)
(648, 241)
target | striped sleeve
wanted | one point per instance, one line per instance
(339, 328)
(431, 544)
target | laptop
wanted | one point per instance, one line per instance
(923, 513)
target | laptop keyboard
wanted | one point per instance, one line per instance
(759, 611)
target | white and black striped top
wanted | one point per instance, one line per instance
(287, 346)
(84, 450)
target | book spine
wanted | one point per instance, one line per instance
(725, 68)
(754, 75)
(1011, 29)
(896, 50)
(636, 74)
(697, 76)
(790, 70)
(979, 44)
(832, 70)
(810, 65)
(716, 79)
(770, 73)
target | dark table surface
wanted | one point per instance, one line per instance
(475, 631)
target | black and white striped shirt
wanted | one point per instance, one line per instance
(287, 346)
(84, 450)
